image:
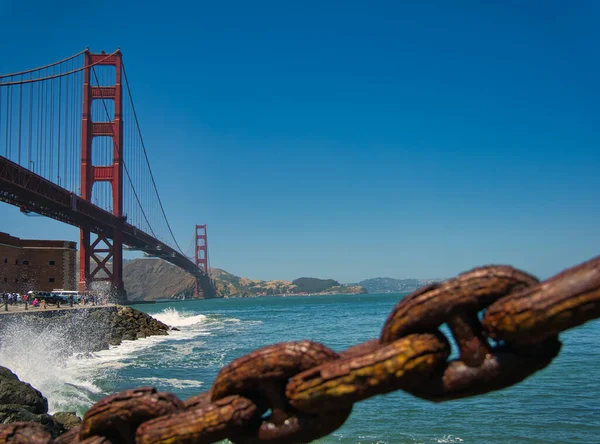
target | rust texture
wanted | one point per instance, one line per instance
(467, 332)
(275, 362)
(212, 422)
(343, 382)
(118, 416)
(360, 349)
(499, 370)
(70, 437)
(300, 428)
(95, 440)
(24, 433)
(534, 314)
(197, 401)
(433, 305)
(309, 390)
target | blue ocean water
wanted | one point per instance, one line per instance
(560, 404)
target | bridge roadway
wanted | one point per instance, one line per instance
(31, 192)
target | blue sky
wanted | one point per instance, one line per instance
(352, 139)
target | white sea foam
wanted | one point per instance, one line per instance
(449, 439)
(45, 357)
(174, 318)
(170, 382)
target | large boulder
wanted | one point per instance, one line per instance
(15, 392)
(11, 413)
(68, 420)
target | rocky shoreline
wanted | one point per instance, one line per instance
(81, 330)
(20, 401)
(87, 328)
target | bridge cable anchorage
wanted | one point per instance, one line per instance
(122, 159)
(310, 389)
(147, 160)
(55, 76)
(3, 76)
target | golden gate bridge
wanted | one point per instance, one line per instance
(71, 149)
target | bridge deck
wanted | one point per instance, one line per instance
(31, 192)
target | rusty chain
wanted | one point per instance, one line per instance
(299, 391)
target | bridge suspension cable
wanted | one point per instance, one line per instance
(124, 163)
(137, 124)
(40, 129)
(55, 76)
(39, 68)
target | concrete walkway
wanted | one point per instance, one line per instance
(20, 308)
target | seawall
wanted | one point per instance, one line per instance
(82, 329)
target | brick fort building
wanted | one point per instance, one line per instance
(28, 264)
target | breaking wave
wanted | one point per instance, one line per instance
(174, 318)
(57, 359)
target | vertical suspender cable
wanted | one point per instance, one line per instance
(59, 125)
(65, 177)
(38, 127)
(74, 139)
(40, 140)
(43, 140)
(8, 111)
(20, 122)
(30, 141)
(51, 151)
(0, 112)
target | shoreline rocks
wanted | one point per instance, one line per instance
(71, 331)
(85, 329)
(19, 402)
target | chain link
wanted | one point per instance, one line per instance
(296, 392)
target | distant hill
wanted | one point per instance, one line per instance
(234, 286)
(391, 285)
(314, 285)
(149, 279)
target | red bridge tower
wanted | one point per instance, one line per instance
(95, 255)
(200, 253)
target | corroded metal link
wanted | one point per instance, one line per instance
(262, 376)
(360, 349)
(310, 389)
(534, 314)
(342, 382)
(300, 428)
(24, 433)
(433, 305)
(500, 369)
(197, 401)
(274, 362)
(95, 440)
(225, 418)
(70, 437)
(118, 416)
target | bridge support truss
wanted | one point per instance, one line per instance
(96, 254)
